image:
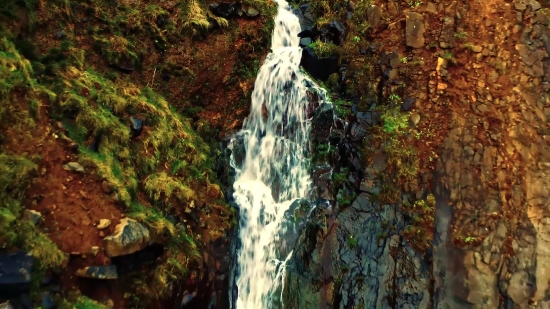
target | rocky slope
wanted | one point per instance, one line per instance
(444, 144)
(109, 118)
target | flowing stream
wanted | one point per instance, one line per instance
(274, 172)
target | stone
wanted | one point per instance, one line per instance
(136, 127)
(129, 236)
(414, 33)
(103, 224)
(335, 31)
(414, 119)
(408, 104)
(106, 187)
(322, 122)
(374, 15)
(223, 9)
(74, 167)
(431, 8)
(535, 5)
(32, 216)
(305, 42)
(393, 8)
(541, 18)
(15, 274)
(94, 250)
(250, 11)
(477, 49)
(47, 301)
(60, 35)
(98, 272)
(520, 6)
(125, 68)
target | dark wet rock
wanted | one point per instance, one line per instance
(127, 69)
(94, 146)
(322, 122)
(223, 9)
(319, 68)
(228, 10)
(307, 34)
(334, 32)
(408, 104)
(414, 32)
(60, 35)
(364, 120)
(24, 301)
(15, 274)
(305, 42)
(47, 301)
(136, 127)
(306, 17)
(98, 272)
(129, 236)
(534, 5)
(137, 260)
(165, 75)
(161, 21)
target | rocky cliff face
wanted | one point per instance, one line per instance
(468, 227)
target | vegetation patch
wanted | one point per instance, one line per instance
(420, 215)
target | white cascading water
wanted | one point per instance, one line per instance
(274, 172)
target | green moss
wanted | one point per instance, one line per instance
(81, 302)
(324, 50)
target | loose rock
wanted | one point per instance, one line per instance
(98, 272)
(15, 274)
(414, 33)
(129, 236)
(74, 167)
(32, 215)
(103, 224)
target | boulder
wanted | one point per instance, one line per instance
(414, 33)
(319, 68)
(15, 274)
(334, 32)
(98, 272)
(306, 17)
(129, 236)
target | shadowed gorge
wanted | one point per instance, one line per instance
(259, 154)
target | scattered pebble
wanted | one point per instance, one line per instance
(103, 224)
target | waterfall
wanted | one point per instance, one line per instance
(273, 174)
